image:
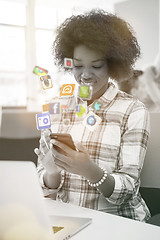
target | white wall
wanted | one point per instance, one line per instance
(143, 15)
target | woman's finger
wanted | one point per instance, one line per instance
(60, 154)
(61, 164)
(46, 137)
(69, 151)
(46, 142)
(46, 132)
(43, 146)
(37, 151)
(80, 147)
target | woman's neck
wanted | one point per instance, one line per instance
(97, 95)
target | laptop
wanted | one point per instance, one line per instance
(23, 212)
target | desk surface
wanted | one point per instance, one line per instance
(104, 226)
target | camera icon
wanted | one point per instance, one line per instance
(43, 120)
(46, 82)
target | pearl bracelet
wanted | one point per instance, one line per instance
(97, 184)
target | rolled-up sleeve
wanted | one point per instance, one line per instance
(132, 153)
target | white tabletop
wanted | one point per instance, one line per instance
(104, 226)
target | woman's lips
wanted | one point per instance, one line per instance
(90, 83)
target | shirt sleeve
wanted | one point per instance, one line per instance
(132, 153)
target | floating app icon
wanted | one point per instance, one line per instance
(80, 110)
(43, 120)
(55, 108)
(40, 71)
(45, 107)
(66, 122)
(67, 89)
(85, 92)
(64, 108)
(97, 105)
(91, 121)
(46, 82)
(68, 62)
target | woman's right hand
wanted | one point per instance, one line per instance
(44, 153)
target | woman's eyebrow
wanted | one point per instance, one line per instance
(77, 59)
(97, 60)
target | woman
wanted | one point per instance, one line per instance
(104, 173)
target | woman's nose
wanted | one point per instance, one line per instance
(86, 74)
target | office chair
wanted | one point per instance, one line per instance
(19, 135)
(150, 177)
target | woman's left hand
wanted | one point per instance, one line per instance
(77, 162)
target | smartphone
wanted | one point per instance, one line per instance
(65, 138)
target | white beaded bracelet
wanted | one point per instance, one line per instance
(97, 184)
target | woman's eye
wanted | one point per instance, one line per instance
(96, 66)
(77, 66)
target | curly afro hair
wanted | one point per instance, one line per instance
(103, 32)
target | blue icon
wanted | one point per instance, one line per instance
(97, 106)
(43, 120)
(78, 108)
(55, 108)
(91, 120)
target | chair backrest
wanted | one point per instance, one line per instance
(150, 176)
(18, 149)
(19, 135)
(18, 123)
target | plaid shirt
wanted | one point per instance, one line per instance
(117, 144)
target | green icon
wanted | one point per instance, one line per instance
(81, 112)
(85, 92)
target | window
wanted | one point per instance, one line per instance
(12, 53)
(27, 32)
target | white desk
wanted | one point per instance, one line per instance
(104, 226)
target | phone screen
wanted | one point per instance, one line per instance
(64, 138)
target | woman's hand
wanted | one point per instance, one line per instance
(77, 162)
(44, 154)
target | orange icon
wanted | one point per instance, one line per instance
(45, 107)
(67, 89)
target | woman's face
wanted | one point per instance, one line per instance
(89, 67)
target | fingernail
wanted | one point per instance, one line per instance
(37, 151)
(52, 141)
